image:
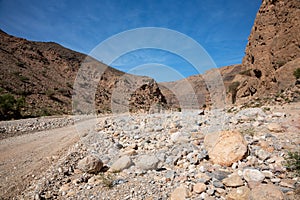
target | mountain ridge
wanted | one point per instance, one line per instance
(43, 74)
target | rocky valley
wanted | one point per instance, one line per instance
(231, 133)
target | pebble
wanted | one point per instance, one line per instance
(287, 183)
(233, 180)
(263, 155)
(275, 127)
(218, 184)
(253, 175)
(180, 193)
(210, 191)
(202, 177)
(11, 128)
(268, 174)
(219, 175)
(275, 180)
(199, 188)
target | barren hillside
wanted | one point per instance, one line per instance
(42, 75)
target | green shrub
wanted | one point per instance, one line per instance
(20, 64)
(10, 108)
(50, 93)
(44, 112)
(70, 85)
(293, 162)
(64, 92)
(106, 179)
(24, 78)
(297, 73)
(280, 63)
(248, 131)
(21, 77)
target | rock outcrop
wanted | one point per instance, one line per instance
(266, 72)
(273, 50)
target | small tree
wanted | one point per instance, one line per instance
(293, 162)
(297, 73)
(10, 107)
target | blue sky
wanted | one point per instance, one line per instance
(221, 27)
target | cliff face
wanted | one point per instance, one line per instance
(273, 50)
(266, 73)
(43, 74)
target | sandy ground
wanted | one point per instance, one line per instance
(23, 157)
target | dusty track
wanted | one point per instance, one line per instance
(24, 157)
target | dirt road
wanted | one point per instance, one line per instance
(24, 157)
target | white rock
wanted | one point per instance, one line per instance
(179, 137)
(263, 155)
(121, 164)
(268, 174)
(253, 175)
(147, 162)
(278, 114)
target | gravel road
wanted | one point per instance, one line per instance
(25, 156)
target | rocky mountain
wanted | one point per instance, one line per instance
(201, 91)
(273, 50)
(42, 74)
(266, 72)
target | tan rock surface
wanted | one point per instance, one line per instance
(266, 192)
(241, 193)
(225, 147)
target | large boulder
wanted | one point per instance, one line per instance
(90, 164)
(225, 147)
